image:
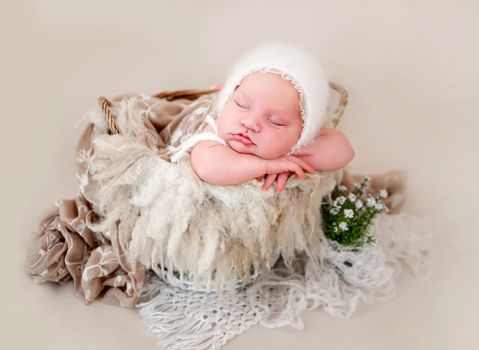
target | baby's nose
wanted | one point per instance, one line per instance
(250, 123)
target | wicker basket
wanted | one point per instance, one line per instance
(335, 112)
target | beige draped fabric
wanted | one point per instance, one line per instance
(64, 248)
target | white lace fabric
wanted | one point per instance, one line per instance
(187, 320)
(186, 141)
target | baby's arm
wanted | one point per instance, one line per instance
(220, 165)
(330, 150)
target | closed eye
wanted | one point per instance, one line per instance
(276, 123)
(240, 105)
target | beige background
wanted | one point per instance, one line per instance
(411, 68)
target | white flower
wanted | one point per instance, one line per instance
(352, 197)
(334, 211)
(339, 201)
(378, 206)
(371, 202)
(343, 226)
(349, 213)
(342, 188)
(359, 204)
(356, 186)
(383, 193)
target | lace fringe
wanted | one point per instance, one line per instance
(191, 320)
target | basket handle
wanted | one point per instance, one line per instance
(342, 103)
(105, 104)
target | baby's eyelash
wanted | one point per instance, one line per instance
(239, 105)
(274, 123)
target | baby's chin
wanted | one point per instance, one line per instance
(242, 148)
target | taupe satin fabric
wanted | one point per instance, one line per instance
(65, 249)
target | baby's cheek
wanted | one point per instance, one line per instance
(220, 126)
(222, 132)
(286, 142)
(274, 149)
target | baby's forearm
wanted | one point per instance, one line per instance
(331, 150)
(220, 165)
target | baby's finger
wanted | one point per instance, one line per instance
(268, 181)
(281, 181)
(302, 164)
(297, 170)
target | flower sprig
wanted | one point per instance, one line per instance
(347, 215)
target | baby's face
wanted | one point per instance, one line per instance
(262, 117)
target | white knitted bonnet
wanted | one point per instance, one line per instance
(293, 64)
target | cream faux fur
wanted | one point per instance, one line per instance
(171, 221)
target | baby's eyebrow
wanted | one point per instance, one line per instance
(284, 116)
(280, 117)
(243, 95)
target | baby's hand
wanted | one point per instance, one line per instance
(281, 168)
(288, 163)
(281, 180)
(329, 151)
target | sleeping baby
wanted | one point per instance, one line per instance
(265, 123)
